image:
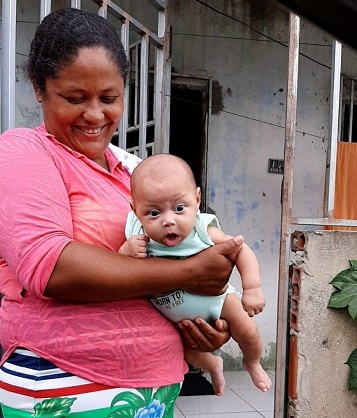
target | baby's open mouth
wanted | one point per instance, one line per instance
(171, 240)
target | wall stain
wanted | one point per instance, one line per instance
(217, 98)
(240, 211)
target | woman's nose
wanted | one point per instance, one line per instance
(93, 113)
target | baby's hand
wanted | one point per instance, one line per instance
(135, 246)
(253, 301)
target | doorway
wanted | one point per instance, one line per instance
(188, 126)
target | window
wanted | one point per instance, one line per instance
(348, 123)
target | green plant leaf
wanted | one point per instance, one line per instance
(167, 394)
(346, 294)
(352, 363)
(146, 394)
(130, 398)
(345, 276)
(54, 407)
(123, 411)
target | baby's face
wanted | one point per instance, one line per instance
(167, 209)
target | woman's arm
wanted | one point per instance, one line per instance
(91, 274)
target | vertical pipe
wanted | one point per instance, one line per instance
(352, 97)
(166, 92)
(159, 84)
(286, 214)
(333, 128)
(136, 85)
(76, 4)
(143, 112)
(8, 73)
(123, 126)
(103, 10)
(45, 8)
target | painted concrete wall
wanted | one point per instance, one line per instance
(244, 51)
(251, 71)
(325, 337)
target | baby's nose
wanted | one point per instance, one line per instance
(168, 220)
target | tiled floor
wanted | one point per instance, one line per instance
(241, 399)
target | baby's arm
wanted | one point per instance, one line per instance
(253, 300)
(135, 246)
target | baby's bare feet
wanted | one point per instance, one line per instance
(217, 376)
(259, 376)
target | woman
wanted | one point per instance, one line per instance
(78, 332)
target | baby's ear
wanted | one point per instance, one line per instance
(198, 191)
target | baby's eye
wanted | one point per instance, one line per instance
(179, 208)
(154, 213)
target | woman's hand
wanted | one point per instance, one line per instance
(209, 270)
(200, 335)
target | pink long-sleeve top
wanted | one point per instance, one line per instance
(50, 196)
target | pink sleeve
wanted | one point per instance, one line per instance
(35, 216)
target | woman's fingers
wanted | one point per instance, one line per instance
(202, 336)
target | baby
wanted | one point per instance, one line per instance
(165, 222)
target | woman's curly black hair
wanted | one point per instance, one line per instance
(60, 36)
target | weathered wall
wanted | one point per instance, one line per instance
(325, 337)
(251, 71)
(246, 128)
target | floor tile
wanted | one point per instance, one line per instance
(228, 403)
(267, 414)
(241, 399)
(260, 401)
(178, 413)
(238, 380)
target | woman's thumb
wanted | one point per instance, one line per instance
(230, 245)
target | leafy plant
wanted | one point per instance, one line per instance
(345, 296)
(146, 404)
(54, 407)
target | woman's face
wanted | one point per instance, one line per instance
(82, 107)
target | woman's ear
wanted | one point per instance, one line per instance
(38, 93)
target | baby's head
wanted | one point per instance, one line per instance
(165, 198)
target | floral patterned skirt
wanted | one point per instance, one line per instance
(33, 387)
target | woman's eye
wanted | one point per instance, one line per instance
(179, 208)
(154, 213)
(107, 100)
(75, 100)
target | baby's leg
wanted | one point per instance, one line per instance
(245, 332)
(213, 364)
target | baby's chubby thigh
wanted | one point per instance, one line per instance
(241, 325)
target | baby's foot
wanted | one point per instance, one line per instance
(259, 376)
(217, 376)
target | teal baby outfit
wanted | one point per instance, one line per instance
(179, 304)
